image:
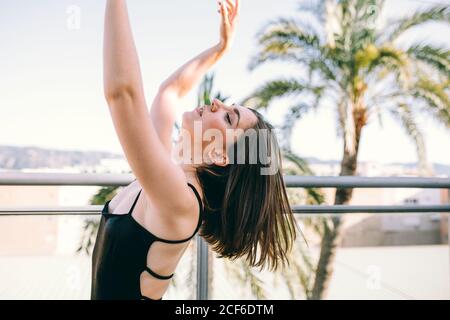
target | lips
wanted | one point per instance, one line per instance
(200, 111)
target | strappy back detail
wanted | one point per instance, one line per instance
(116, 268)
(129, 214)
(158, 276)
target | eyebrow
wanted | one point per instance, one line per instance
(238, 115)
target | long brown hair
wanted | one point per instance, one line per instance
(247, 214)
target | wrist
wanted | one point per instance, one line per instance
(222, 48)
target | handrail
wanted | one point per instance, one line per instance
(300, 210)
(291, 181)
(94, 179)
(366, 182)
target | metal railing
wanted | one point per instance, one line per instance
(70, 179)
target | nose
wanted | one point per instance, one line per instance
(216, 104)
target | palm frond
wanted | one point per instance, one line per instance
(326, 68)
(306, 271)
(315, 196)
(205, 92)
(205, 89)
(439, 13)
(356, 20)
(103, 195)
(290, 56)
(284, 39)
(87, 240)
(404, 114)
(392, 60)
(436, 98)
(301, 271)
(264, 95)
(301, 163)
(436, 57)
(288, 30)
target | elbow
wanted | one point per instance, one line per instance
(171, 88)
(119, 92)
(168, 84)
(165, 87)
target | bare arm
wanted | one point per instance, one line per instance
(121, 70)
(180, 83)
(148, 159)
(189, 74)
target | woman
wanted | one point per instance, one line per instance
(145, 229)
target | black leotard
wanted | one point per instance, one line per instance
(120, 254)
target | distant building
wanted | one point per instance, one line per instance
(42, 235)
(394, 229)
(389, 229)
(26, 235)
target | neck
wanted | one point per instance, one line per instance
(189, 167)
(189, 170)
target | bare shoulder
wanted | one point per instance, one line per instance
(186, 203)
(194, 203)
(176, 222)
(189, 220)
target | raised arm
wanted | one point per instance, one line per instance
(121, 70)
(123, 89)
(175, 87)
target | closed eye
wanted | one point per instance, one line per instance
(228, 118)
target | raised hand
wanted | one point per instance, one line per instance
(229, 11)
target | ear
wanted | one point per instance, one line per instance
(218, 158)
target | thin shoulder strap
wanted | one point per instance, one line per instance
(199, 223)
(199, 199)
(200, 213)
(135, 201)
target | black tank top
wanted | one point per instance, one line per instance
(120, 254)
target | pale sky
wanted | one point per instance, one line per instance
(51, 73)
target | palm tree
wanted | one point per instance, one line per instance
(348, 61)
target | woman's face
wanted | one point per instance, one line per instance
(217, 118)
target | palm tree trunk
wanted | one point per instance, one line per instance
(331, 234)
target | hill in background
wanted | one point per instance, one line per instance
(18, 158)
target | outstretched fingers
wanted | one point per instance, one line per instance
(224, 13)
(233, 9)
(230, 7)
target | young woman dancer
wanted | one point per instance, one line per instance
(145, 229)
